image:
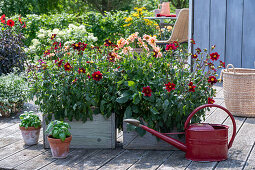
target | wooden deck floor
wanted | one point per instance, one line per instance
(15, 155)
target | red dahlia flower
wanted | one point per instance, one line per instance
(176, 44)
(24, 25)
(20, 21)
(97, 76)
(212, 80)
(198, 50)
(59, 63)
(10, 23)
(108, 43)
(194, 56)
(53, 36)
(147, 91)
(222, 64)
(214, 56)
(81, 70)
(155, 54)
(192, 41)
(2, 19)
(111, 58)
(170, 47)
(170, 86)
(210, 100)
(191, 87)
(47, 52)
(67, 66)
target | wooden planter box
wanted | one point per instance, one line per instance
(99, 133)
(132, 140)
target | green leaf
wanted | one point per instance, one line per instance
(62, 136)
(135, 109)
(136, 98)
(55, 133)
(131, 83)
(165, 104)
(123, 98)
(102, 106)
(154, 110)
(128, 113)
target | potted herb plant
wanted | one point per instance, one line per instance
(59, 138)
(30, 126)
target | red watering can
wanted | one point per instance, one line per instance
(204, 142)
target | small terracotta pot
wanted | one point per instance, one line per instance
(58, 148)
(30, 135)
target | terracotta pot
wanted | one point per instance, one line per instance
(30, 135)
(58, 148)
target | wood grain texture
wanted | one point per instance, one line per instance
(248, 46)
(151, 160)
(241, 147)
(218, 28)
(234, 32)
(132, 140)
(176, 161)
(201, 23)
(98, 160)
(124, 160)
(99, 133)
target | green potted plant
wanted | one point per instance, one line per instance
(59, 138)
(30, 126)
(13, 93)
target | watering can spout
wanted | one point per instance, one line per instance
(167, 139)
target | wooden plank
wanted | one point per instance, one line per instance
(151, 160)
(250, 163)
(248, 50)
(124, 160)
(176, 161)
(201, 23)
(234, 32)
(22, 156)
(99, 133)
(241, 147)
(9, 130)
(190, 29)
(73, 157)
(39, 161)
(218, 28)
(97, 160)
(15, 147)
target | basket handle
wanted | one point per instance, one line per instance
(232, 67)
(218, 106)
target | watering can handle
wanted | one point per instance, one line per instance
(214, 105)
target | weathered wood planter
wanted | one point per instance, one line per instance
(132, 140)
(99, 133)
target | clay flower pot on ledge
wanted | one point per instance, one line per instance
(30, 126)
(30, 135)
(58, 148)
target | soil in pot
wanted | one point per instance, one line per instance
(58, 148)
(30, 135)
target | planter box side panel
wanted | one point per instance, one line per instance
(132, 140)
(99, 133)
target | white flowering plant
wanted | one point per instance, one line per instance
(68, 36)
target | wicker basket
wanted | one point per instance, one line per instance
(239, 90)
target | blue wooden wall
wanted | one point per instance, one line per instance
(228, 24)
